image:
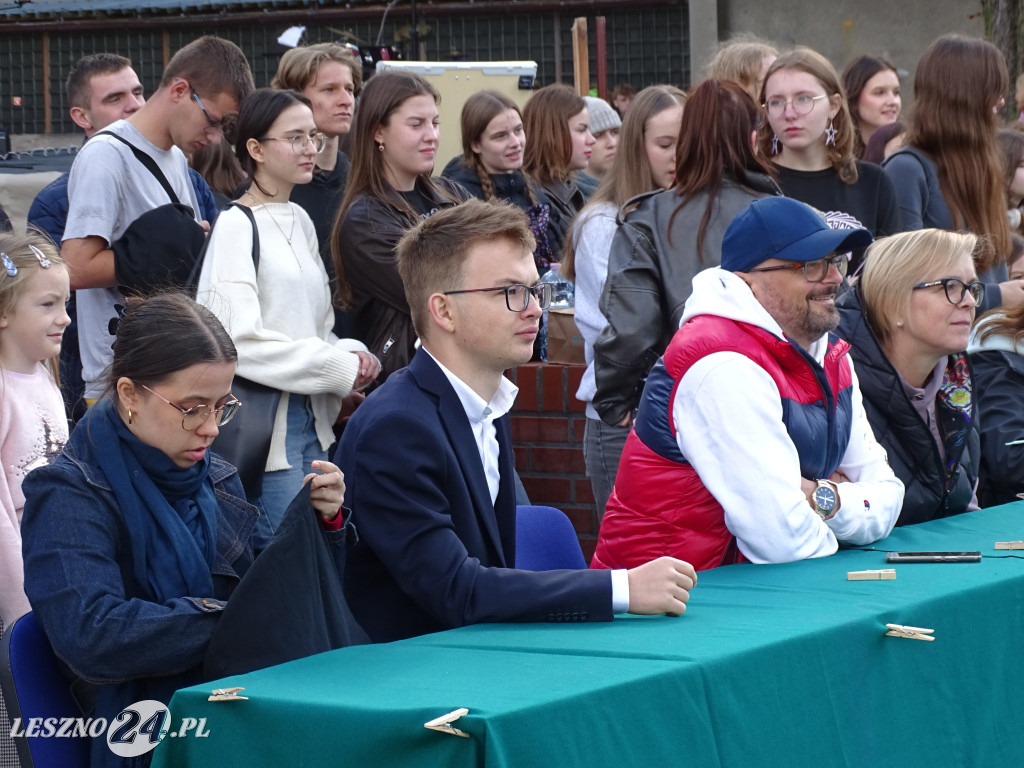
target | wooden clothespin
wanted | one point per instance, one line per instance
(911, 633)
(444, 723)
(227, 694)
(885, 574)
(1010, 545)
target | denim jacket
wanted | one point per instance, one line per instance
(120, 647)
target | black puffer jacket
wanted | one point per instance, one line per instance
(932, 490)
(510, 187)
(997, 369)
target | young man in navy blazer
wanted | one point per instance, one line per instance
(428, 459)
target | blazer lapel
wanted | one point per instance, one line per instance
(460, 434)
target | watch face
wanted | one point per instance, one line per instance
(825, 498)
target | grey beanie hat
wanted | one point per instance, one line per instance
(602, 116)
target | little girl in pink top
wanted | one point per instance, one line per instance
(34, 289)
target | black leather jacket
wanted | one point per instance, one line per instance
(932, 490)
(650, 274)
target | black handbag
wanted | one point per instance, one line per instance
(245, 440)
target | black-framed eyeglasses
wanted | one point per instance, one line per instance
(814, 271)
(193, 418)
(956, 289)
(517, 296)
(217, 125)
(802, 104)
(299, 142)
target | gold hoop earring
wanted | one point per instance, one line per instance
(129, 415)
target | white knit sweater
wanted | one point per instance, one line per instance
(280, 320)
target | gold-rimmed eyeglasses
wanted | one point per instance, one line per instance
(299, 141)
(193, 418)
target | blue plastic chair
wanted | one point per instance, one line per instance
(34, 686)
(546, 540)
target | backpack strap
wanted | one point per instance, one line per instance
(147, 161)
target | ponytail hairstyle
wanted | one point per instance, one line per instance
(714, 142)
(840, 152)
(957, 86)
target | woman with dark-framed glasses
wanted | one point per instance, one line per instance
(277, 307)
(908, 320)
(137, 534)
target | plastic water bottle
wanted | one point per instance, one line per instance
(563, 296)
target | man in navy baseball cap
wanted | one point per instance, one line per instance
(751, 443)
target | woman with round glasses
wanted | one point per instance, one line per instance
(279, 313)
(908, 320)
(137, 534)
(809, 137)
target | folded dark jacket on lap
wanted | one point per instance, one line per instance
(290, 604)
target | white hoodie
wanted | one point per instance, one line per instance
(728, 418)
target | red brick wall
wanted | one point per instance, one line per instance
(547, 436)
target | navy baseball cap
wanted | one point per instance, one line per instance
(784, 228)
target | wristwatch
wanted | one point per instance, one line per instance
(825, 499)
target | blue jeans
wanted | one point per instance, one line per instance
(302, 448)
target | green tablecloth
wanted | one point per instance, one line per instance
(771, 665)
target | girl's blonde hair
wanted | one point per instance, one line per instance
(18, 256)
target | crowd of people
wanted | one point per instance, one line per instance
(802, 312)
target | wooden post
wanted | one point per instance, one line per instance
(557, 27)
(47, 119)
(601, 35)
(580, 56)
(166, 50)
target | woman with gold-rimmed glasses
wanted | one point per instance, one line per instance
(137, 534)
(908, 320)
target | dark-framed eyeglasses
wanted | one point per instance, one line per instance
(299, 142)
(517, 296)
(814, 271)
(956, 289)
(802, 104)
(193, 418)
(217, 125)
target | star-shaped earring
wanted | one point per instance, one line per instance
(830, 134)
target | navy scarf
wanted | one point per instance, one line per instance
(170, 512)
